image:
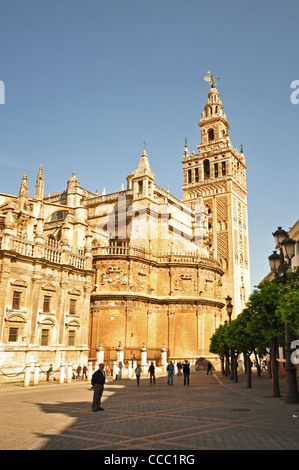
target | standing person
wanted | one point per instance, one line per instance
(138, 373)
(116, 372)
(209, 368)
(186, 372)
(179, 366)
(84, 373)
(79, 368)
(151, 370)
(170, 370)
(49, 372)
(98, 381)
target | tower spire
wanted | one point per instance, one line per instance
(23, 194)
(39, 185)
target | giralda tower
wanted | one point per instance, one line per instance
(217, 173)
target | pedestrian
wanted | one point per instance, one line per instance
(49, 372)
(138, 373)
(151, 370)
(186, 372)
(209, 368)
(79, 368)
(97, 381)
(84, 372)
(107, 372)
(116, 371)
(170, 370)
(179, 366)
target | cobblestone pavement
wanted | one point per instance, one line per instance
(212, 413)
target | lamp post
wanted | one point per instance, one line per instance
(229, 307)
(279, 264)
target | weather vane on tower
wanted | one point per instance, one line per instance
(211, 78)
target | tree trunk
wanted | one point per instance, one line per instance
(258, 364)
(232, 367)
(248, 366)
(222, 365)
(236, 367)
(227, 365)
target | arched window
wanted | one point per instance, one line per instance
(206, 167)
(59, 215)
(211, 134)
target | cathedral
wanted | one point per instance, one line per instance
(132, 271)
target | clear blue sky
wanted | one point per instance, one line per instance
(87, 81)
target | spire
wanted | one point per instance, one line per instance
(23, 194)
(39, 185)
(186, 151)
(142, 178)
(144, 167)
(213, 123)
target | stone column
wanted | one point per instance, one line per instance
(27, 375)
(120, 354)
(130, 370)
(143, 364)
(100, 354)
(164, 357)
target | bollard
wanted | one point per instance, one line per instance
(27, 375)
(89, 371)
(130, 370)
(36, 374)
(69, 373)
(62, 373)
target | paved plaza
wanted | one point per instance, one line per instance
(212, 413)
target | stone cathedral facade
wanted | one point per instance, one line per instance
(130, 271)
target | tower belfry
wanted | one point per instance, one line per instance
(217, 173)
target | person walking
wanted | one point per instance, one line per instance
(138, 373)
(97, 381)
(151, 370)
(170, 370)
(179, 366)
(79, 368)
(209, 368)
(186, 372)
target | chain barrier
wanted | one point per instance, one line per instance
(12, 375)
(49, 373)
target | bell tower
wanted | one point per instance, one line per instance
(217, 173)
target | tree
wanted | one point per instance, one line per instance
(262, 305)
(218, 345)
(288, 304)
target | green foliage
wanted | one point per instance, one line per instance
(268, 308)
(262, 305)
(218, 343)
(288, 305)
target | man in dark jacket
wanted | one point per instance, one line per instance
(97, 381)
(186, 372)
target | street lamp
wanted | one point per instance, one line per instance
(279, 264)
(229, 307)
(274, 261)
